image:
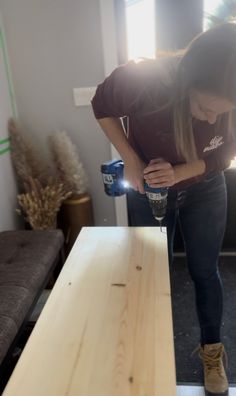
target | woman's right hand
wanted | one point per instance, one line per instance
(133, 173)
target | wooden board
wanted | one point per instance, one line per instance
(106, 329)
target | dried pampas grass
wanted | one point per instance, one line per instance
(25, 158)
(41, 204)
(70, 170)
(42, 197)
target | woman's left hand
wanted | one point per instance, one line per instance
(159, 173)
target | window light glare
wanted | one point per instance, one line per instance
(140, 27)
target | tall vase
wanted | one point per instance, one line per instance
(75, 213)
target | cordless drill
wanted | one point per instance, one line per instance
(115, 185)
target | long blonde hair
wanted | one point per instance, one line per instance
(208, 65)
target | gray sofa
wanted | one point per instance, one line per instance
(27, 260)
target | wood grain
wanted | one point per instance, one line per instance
(106, 329)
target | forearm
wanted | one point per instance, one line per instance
(113, 129)
(188, 170)
(133, 171)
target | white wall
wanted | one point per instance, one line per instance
(55, 46)
(8, 217)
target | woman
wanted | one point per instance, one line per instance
(179, 136)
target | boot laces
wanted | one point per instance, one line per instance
(212, 361)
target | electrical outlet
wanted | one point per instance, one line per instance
(83, 96)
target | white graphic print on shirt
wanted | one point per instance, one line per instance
(214, 143)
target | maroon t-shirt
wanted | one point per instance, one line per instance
(135, 90)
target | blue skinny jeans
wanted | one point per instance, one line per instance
(201, 210)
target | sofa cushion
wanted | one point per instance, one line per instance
(26, 257)
(26, 260)
(7, 334)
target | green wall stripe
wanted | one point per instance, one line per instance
(6, 140)
(5, 150)
(7, 68)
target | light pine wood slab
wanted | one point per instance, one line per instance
(106, 329)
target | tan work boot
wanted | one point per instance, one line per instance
(215, 380)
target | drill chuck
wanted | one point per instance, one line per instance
(157, 198)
